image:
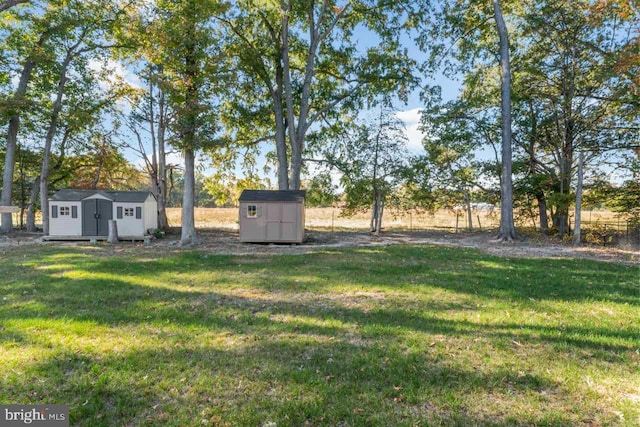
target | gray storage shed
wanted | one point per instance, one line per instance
(274, 216)
(86, 213)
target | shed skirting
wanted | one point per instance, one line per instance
(146, 238)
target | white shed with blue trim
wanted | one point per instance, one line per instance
(86, 213)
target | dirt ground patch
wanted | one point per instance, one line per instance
(225, 241)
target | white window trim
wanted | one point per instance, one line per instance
(129, 212)
(255, 211)
(64, 211)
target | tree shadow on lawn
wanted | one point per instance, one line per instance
(286, 344)
(115, 303)
(291, 382)
(127, 298)
(466, 271)
(471, 272)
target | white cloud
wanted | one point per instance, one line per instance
(411, 120)
(172, 158)
(410, 116)
(114, 69)
(175, 158)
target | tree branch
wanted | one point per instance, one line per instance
(332, 104)
(261, 69)
(10, 3)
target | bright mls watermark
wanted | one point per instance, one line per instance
(34, 415)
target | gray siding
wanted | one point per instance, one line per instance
(275, 222)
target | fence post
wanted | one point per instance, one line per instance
(333, 213)
(604, 238)
(457, 217)
(479, 224)
(410, 221)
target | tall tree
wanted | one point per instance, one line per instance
(149, 121)
(507, 230)
(462, 38)
(34, 53)
(304, 55)
(574, 85)
(371, 158)
(573, 92)
(88, 28)
(186, 42)
(454, 131)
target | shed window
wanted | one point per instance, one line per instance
(65, 211)
(252, 211)
(128, 211)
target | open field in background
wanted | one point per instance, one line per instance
(329, 218)
(326, 218)
(378, 336)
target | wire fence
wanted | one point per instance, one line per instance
(607, 230)
(613, 233)
(613, 230)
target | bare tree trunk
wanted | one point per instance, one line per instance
(296, 154)
(467, 202)
(153, 173)
(562, 220)
(374, 212)
(542, 209)
(22, 179)
(376, 193)
(162, 192)
(380, 204)
(162, 165)
(296, 165)
(576, 229)
(31, 209)
(158, 169)
(281, 136)
(188, 236)
(7, 180)
(318, 31)
(96, 177)
(507, 230)
(46, 152)
(12, 141)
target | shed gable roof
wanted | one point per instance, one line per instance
(272, 196)
(70, 195)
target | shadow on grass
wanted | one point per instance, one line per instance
(399, 267)
(284, 381)
(297, 358)
(120, 299)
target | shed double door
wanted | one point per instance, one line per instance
(96, 214)
(281, 222)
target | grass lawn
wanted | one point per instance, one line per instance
(402, 335)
